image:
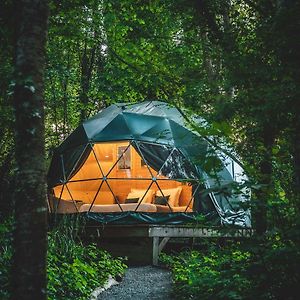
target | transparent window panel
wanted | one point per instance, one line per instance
(72, 160)
(57, 191)
(91, 168)
(177, 167)
(141, 168)
(101, 199)
(64, 201)
(130, 165)
(190, 194)
(168, 184)
(106, 155)
(83, 191)
(114, 172)
(114, 158)
(104, 195)
(179, 195)
(132, 189)
(153, 155)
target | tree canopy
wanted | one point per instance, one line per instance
(236, 63)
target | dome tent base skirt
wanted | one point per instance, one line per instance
(131, 218)
(136, 218)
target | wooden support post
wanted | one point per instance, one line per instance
(162, 244)
(155, 250)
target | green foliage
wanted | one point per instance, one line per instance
(260, 269)
(236, 63)
(74, 270)
(6, 253)
(215, 275)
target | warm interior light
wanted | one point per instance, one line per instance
(105, 159)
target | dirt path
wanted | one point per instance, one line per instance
(141, 283)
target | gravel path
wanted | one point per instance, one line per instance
(141, 283)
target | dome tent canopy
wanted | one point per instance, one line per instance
(160, 136)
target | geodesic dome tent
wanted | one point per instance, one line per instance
(142, 163)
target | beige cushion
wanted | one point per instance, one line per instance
(103, 197)
(145, 207)
(136, 193)
(173, 193)
(163, 208)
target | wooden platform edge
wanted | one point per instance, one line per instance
(198, 232)
(182, 232)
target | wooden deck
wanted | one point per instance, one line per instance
(161, 234)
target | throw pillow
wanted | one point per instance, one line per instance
(148, 198)
(160, 200)
(132, 200)
(174, 195)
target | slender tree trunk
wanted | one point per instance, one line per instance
(6, 207)
(30, 239)
(295, 151)
(260, 211)
(87, 65)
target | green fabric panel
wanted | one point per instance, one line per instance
(72, 159)
(139, 124)
(55, 172)
(97, 123)
(117, 129)
(181, 135)
(156, 108)
(154, 155)
(152, 108)
(186, 139)
(76, 138)
(132, 217)
(160, 133)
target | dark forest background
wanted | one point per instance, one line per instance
(235, 63)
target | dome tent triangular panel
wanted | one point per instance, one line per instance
(186, 139)
(98, 122)
(141, 124)
(160, 133)
(116, 129)
(153, 163)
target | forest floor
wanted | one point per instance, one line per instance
(140, 283)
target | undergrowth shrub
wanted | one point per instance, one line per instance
(5, 257)
(74, 270)
(266, 268)
(215, 275)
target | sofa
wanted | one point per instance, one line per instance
(107, 203)
(144, 207)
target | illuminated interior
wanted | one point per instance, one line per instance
(114, 178)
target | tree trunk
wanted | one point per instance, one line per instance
(30, 238)
(265, 178)
(87, 64)
(295, 151)
(6, 207)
